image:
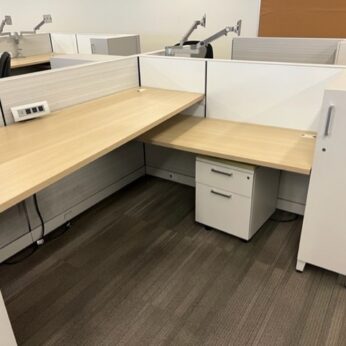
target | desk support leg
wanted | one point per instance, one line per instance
(300, 266)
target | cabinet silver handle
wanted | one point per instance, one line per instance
(221, 194)
(221, 172)
(329, 120)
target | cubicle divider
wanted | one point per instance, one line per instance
(64, 43)
(285, 49)
(274, 94)
(7, 44)
(174, 74)
(341, 53)
(68, 86)
(28, 45)
(72, 195)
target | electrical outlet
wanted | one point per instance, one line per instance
(30, 111)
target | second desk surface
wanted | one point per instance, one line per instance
(279, 148)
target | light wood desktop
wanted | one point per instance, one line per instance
(30, 60)
(37, 153)
(279, 148)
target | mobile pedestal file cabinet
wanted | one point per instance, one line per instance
(234, 198)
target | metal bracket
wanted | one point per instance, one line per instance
(194, 26)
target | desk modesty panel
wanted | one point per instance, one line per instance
(267, 146)
(37, 153)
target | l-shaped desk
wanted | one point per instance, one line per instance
(35, 154)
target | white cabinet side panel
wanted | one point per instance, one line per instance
(6, 332)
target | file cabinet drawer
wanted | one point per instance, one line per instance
(225, 176)
(223, 210)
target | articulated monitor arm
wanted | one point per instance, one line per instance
(199, 49)
(6, 21)
(194, 26)
(236, 29)
(47, 18)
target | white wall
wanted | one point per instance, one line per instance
(159, 22)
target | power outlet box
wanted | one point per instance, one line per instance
(30, 111)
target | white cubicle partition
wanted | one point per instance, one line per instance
(173, 74)
(64, 43)
(7, 44)
(68, 86)
(107, 44)
(28, 45)
(285, 49)
(65, 60)
(120, 44)
(35, 44)
(341, 53)
(79, 191)
(275, 94)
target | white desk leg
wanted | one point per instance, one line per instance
(300, 266)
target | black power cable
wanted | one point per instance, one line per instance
(33, 247)
(292, 217)
(38, 211)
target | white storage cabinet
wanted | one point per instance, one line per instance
(323, 238)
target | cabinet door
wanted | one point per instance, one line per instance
(323, 240)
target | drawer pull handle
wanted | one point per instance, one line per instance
(329, 120)
(221, 172)
(221, 194)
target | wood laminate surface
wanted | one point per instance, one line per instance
(279, 148)
(137, 270)
(37, 153)
(30, 60)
